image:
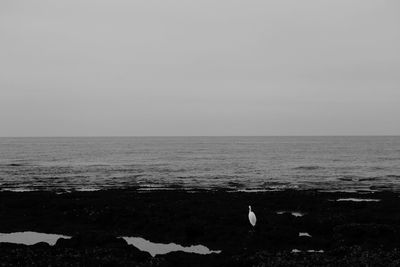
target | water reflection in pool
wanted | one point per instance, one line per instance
(158, 248)
(31, 238)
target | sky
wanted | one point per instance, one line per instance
(205, 67)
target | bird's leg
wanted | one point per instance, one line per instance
(252, 230)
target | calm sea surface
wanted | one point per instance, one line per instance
(239, 163)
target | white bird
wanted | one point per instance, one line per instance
(252, 217)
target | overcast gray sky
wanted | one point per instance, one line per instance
(205, 67)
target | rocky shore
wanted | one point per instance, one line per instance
(337, 229)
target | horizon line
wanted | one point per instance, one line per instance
(155, 136)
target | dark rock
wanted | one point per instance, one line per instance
(5, 246)
(351, 234)
(368, 234)
(41, 245)
(177, 259)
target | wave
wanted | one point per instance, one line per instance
(15, 164)
(393, 176)
(235, 184)
(308, 168)
(368, 179)
(347, 179)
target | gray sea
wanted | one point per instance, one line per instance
(237, 163)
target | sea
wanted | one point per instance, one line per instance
(65, 164)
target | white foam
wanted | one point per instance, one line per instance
(18, 190)
(252, 190)
(359, 199)
(87, 189)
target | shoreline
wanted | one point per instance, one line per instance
(216, 219)
(179, 188)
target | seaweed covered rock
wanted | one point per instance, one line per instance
(371, 235)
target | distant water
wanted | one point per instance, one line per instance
(239, 163)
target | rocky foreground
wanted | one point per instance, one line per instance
(343, 233)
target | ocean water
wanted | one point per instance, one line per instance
(237, 163)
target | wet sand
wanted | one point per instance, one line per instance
(342, 233)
